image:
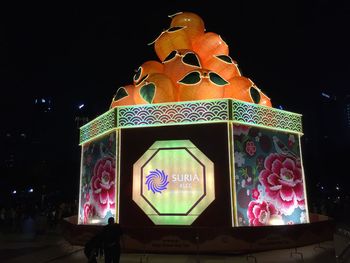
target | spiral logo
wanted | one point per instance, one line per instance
(157, 181)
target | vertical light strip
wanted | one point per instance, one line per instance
(117, 161)
(231, 175)
(234, 176)
(305, 193)
(80, 184)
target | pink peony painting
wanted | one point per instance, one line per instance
(283, 182)
(98, 181)
(89, 212)
(268, 177)
(262, 213)
(103, 185)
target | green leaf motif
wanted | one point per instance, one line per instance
(175, 28)
(143, 78)
(254, 170)
(171, 55)
(217, 79)
(244, 172)
(191, 59)
(191, 78)
(225, 58)
(121, 93)
(148, 92)
(137, 74)
(239, 146)
(254, 93)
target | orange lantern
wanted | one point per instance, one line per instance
(179, 62)
(239, 89)
(155, 88)
(171, 39)
(194, 25)
(242, 88)
(209, 45)
(201, 84)
(147, 68)
(224, 65)
(123, 97)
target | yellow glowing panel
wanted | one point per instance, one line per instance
(173, 182)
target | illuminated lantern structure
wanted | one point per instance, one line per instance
(209, 45)
(155, 88)
(223, 65)
(193, 23)
(123, 96)
(179, 62)
(201, 84)
(147, 68)
(199, 151)
(171, 39)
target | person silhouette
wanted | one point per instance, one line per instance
(92, 248)
(111, 235)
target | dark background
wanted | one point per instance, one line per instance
(54, 58)
(202, 136)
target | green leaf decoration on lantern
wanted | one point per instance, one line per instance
(171, 56)
(148, 92)
(217, 79)
(191, 59)
(137, 74)
(121, 93)
(225, 58)
(254, 93)
(175, 28)
(191, 78)
(142, 79)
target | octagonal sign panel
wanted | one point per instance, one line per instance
(173, 182)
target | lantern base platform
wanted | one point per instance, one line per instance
(210, 240)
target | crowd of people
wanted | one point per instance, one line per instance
(34, 218)
(30, 218)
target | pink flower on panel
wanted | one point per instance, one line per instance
(240, 129)
(250, 148)
(282, 179)
(103, 185)
(255, 193)
(261, 214)
(87, 197)
(89, 212)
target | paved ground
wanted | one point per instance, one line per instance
(51, 247)
(308, 255)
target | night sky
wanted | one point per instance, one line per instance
(76, 54)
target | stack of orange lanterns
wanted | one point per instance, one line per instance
(194, 65)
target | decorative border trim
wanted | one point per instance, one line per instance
(98, 126)
(257, 115)
(191, 112)
(174, 113)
